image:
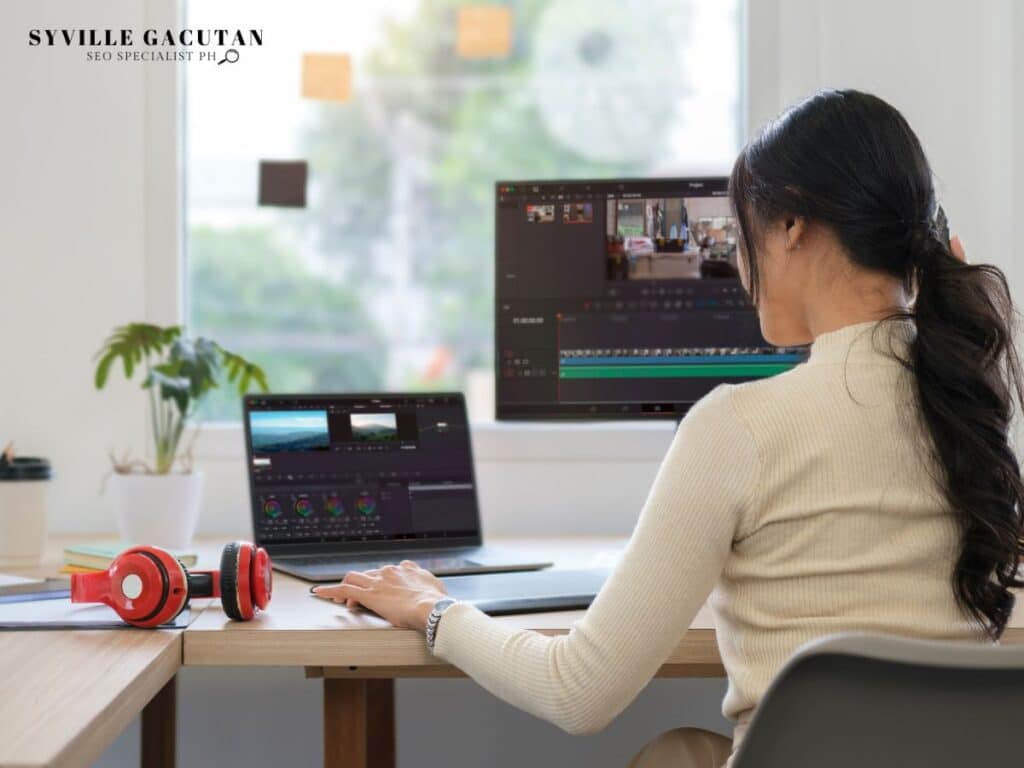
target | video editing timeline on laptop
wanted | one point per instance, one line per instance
(357, 469)
(621, 299)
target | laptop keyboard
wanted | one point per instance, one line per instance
(328, 564)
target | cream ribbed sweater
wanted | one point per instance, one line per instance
(801, 504)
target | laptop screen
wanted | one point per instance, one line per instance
(360, 468)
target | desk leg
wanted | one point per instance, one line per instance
(159, 727)
(359, 723)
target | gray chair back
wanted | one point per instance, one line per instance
(872, 701)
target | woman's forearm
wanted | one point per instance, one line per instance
(582, 680)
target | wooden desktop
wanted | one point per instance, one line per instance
(69, 694)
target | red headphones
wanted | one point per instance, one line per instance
(148, 587)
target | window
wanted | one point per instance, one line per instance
(385, 279)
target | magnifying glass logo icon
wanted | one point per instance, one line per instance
(230, 57)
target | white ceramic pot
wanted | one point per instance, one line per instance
(160, 510)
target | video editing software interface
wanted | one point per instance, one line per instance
(621, 299)
(358, 469)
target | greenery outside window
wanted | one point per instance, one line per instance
(385, 279)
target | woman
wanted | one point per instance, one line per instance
(872, 488)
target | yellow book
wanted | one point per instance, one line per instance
(77, 569)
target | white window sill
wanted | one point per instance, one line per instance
(494, 441)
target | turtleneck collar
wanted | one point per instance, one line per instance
(862, 341)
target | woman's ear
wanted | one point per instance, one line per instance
(796, 227)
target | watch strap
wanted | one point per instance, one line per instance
(434, 619)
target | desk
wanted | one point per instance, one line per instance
(358, 656)
(82, 688)
(67, 695)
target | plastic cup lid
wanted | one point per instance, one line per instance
(25, 468)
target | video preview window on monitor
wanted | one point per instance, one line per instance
(621, 299)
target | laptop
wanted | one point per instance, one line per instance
(351, 482)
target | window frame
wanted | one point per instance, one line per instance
(166, 271)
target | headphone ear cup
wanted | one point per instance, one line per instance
(146, 586)
(246, 553)
(261, 580)
(229, 581)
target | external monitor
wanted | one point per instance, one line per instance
(621, 299)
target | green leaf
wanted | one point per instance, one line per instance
(245, 372)
(261, 379)
(132, 344)
(171, 385)
(199, 360)
(103, 369)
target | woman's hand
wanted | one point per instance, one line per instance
(403, 594)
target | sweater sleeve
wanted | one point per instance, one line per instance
(581, 681)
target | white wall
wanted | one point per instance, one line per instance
(953, 67)
(73, 238)
(71, 245)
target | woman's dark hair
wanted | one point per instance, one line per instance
(849, 161)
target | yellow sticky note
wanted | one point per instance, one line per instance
(484, 32)
(327, 76)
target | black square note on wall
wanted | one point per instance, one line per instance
(283, 183)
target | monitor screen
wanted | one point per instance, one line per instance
(360, 468)
(621, 299)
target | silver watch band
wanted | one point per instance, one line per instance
(434, 619)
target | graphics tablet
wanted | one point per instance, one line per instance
(530, 591)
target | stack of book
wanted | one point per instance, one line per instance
(88, 558)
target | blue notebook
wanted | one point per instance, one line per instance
(18, 590)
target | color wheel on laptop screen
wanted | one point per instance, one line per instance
(334, 505)
(303, 507)
(365, 504)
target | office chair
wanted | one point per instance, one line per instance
(871, 701)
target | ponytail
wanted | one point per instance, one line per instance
(967, 377)
(850, 161)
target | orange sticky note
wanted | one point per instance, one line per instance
(327, 76)
(484, 32)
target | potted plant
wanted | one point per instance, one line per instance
(159, 503)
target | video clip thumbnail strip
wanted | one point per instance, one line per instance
(684, 362)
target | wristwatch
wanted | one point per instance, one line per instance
(434, 618)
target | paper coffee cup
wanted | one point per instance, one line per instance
(24, 501)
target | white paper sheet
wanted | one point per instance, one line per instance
(9, 580)
(63, 614)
